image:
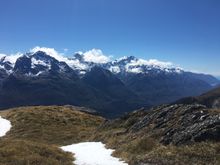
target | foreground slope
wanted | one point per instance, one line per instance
(24, 152)
(51, 124)
(38, 132)
(166, 135)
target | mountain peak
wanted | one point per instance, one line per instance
(78, 56)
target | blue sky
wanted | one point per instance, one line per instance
(185, 32)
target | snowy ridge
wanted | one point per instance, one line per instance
(82, 62)
(133, 65)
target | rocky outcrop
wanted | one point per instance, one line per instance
(180, 124)
(171, 124)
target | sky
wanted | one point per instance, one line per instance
(185, 32)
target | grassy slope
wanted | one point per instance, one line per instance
(37, 133)
(23, 152)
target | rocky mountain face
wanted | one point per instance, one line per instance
(163, 88)
(111, 87)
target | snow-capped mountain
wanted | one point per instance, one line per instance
(45, 77)
(40, 61)
(129, 64)
(134, 65)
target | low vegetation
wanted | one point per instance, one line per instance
(23, 152)
(38, 132)
(136, 150)
(199, 153)
(51, 124)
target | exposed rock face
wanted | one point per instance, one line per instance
(172, 124)
(181, 124)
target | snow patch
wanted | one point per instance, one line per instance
(76, 64)
(137, 65)
(39, 73)
(114, 69)
(92, 153)
(5, 126)
(2, 67)
(151, 62)
(12, 58)
(38, 62)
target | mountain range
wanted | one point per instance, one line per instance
(43, 77)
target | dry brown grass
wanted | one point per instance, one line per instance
(136, 150)
(205, 153)
(37, 133)
(22, 152)
(128, 147)
(51, 124)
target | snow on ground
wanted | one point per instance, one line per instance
(5, 126)
(92, 153)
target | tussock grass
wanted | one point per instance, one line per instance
(138, 150)
(23, 152)
(51, 124)
(38, 132)
(205, 153)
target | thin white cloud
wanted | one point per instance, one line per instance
(96, 56)
(65, 50)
